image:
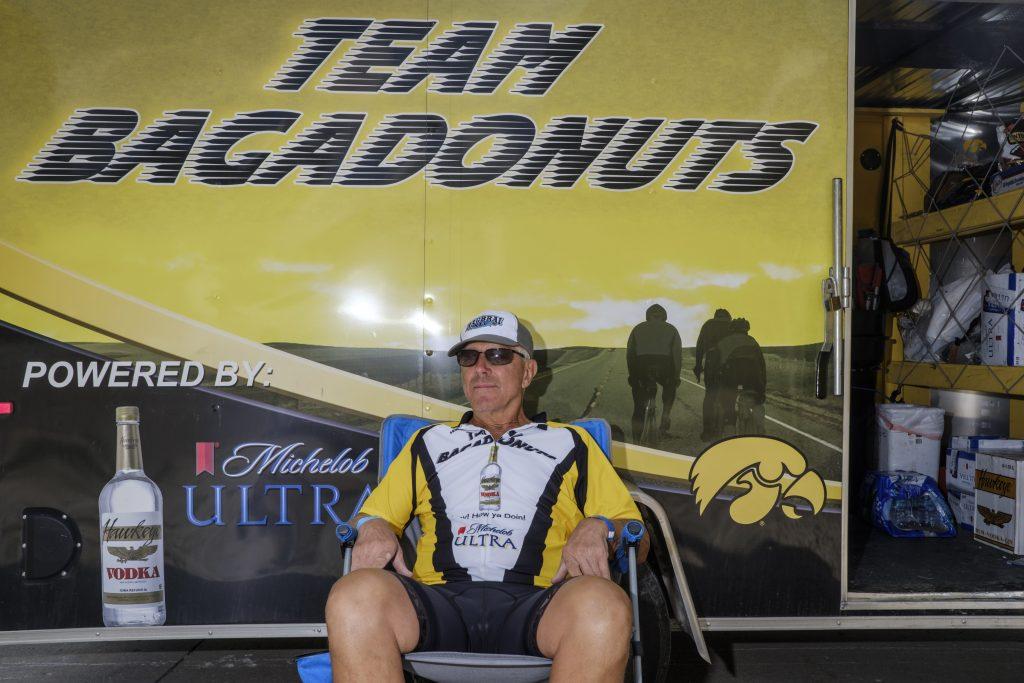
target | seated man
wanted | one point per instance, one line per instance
(517, 516)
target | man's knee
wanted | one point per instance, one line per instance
(595, 609)
(605, 602)
(363, 596)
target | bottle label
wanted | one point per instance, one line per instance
(132, 557)
(490, 488)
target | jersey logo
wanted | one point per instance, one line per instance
(447, 455)
(770, 471)
(513, 440)
(484, 536)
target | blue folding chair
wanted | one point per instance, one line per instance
(459, 667)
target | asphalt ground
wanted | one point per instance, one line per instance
(877, 656)
(593, 382)
(581, 382)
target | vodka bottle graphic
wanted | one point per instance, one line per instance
(490, 483)
(131, 535)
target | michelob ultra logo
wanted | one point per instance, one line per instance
(272, 504)
(771, 472)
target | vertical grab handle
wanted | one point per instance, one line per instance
(841, 276)
(835, 294)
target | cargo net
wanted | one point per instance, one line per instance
(968, 324)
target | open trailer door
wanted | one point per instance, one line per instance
(263, 229)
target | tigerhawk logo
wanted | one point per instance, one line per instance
(772, 472)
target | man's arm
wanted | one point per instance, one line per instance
(762, 375)
(698, 352)
(391, 503)
(377, 546)
(677, 352)
(631, 354)
(587, 551)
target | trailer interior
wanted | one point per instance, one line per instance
(938, 85)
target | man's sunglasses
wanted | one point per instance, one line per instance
(497, 356)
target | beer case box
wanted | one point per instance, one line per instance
(962, 504)
(985, 443)
(961, 463)
(998, 496)
(1002, 320)
(1008, 180)
(960, 470)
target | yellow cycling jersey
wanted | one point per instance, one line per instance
(497, 510)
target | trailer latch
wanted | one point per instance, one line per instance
(832, 299)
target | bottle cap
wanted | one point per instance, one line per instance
(126, 414)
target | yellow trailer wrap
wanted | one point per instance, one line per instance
(265, 224)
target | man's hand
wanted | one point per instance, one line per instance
(586, 551)
(376, 546)
(696, 373)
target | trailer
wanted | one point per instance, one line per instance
(263, 226)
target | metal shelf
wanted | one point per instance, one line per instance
(993, 379)
(981, 215)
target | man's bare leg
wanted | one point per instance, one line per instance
(586, 631)
(370, 623)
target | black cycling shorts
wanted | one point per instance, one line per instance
(490, 617)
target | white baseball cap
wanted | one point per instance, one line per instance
(500, 327)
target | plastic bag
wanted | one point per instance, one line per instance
(901, 290)
(906, 505)
(908, 437)
(950, 311)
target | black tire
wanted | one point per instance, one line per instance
(655, 627)
(649, 436)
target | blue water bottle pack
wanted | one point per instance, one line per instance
(906, 505)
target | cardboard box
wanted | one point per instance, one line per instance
(998, 495)
(1008, 180)
(985, 443)
(962, 505)
(1002, 320)
(960, 470)
(959, 466)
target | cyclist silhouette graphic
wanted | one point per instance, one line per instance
(653, 357)
(711, 332)
(735, 367)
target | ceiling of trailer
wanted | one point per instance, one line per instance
(958, 56)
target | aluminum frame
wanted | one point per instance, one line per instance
(863, 623)
(871, 601)
(844, 542)
(865, 601)
(130, 633)
(682, 600)
(717, 625)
